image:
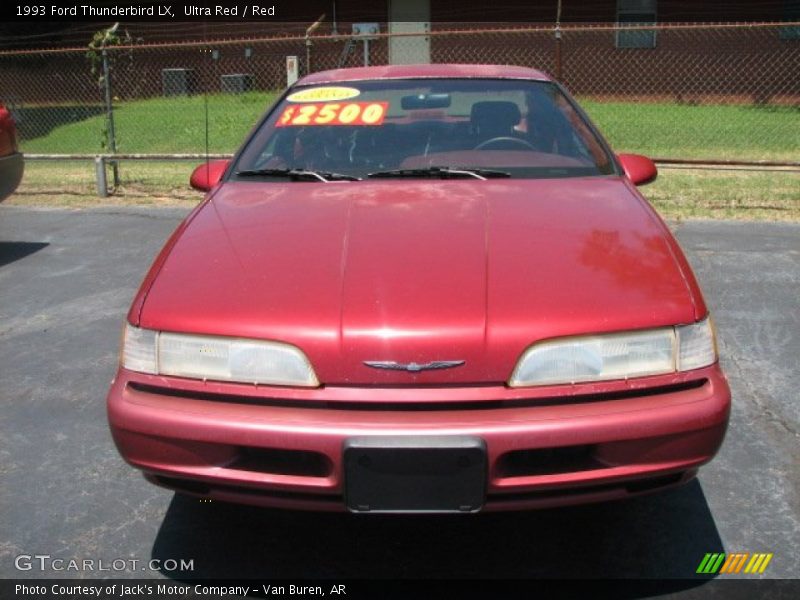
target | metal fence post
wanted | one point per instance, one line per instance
(557, 49)
(311, 29)
(558, 53)
(112, 138)
(100, 176)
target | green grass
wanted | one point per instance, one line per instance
(177, 125)
(715, 194)
(676, 194)
(162, 125)
(704, 132)
(71, 183)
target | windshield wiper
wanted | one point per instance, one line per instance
(441, 172)
(297, 175)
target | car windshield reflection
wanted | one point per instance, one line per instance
(423, 128)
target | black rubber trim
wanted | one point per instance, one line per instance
(631, 487)
(419, 406)
(201, 488)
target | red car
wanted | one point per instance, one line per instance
(420, 289)
(11, 162)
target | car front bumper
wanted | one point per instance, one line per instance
(284, 447)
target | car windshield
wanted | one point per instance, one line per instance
(412, 128)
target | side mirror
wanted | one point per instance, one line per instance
(639, 169)
(207, 175)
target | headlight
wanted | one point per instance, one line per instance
(216, 358)
(617, 355)
(697, 345)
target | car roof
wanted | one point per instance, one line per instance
(424, 71)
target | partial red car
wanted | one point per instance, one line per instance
(11, 161)
(420, 289)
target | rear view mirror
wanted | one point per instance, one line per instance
(207, 175)
(639, 169)
(425, 101)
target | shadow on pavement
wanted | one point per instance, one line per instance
(659, 536)
(13, 251)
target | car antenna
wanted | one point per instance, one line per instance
(205, 111)
(205, 98)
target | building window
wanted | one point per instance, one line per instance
(636, 12)
(791, 12)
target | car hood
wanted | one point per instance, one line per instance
(420, 271)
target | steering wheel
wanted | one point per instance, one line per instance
(504, 139)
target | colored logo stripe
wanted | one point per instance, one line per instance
(758, 563)
(733, 563)
(711, 563)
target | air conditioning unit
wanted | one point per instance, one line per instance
(178, 82)
(236, 83)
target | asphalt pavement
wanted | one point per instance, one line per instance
(66, 280)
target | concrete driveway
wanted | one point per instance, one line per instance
(66, 280)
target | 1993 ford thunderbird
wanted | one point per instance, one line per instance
(420, 289)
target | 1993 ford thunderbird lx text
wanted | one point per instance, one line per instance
(420, 288)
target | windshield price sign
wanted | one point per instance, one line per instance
(334, 113)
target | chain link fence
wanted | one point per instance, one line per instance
(693, 92)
